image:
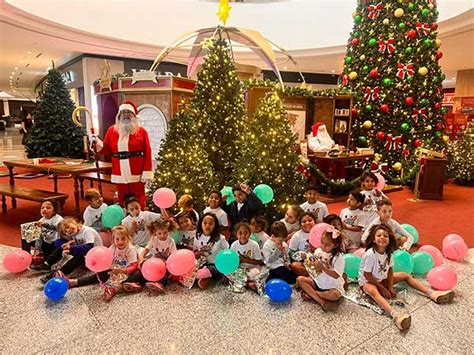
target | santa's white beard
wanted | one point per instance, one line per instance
(127, 125)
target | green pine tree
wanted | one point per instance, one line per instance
(392, 67)
(183, 164)
(461, 158)
(54, 133)
(268, 157)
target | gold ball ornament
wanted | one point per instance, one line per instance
(377, 157)
(386, 22)
(397, 166)
(362, 57)
(423, 71)
(430, 6)
(398, 12)
(367, 124)
(446, 139)
(438, 43)
(352, 75)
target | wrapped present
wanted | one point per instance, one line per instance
(237, 280)
(30, 231)
(115, 280)
(260, 280)
(66, 257)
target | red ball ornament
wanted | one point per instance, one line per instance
(417, 143)
(355, 41)
(406, 152)
(439, 55)
(411, 34)
(409, 101)
(439, 126)
(384, 108)
(355, 111)
(438, 106)
(380, 135)
(374, 73)
(434, 26)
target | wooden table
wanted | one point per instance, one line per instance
(339, 159)
(75, 167)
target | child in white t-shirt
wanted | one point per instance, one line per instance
(214, 200)
(376, 276)
(291, 219)
(186, 231)
(319, 209)
(353, 219)
(93, 213)
(328, 286)
(299, 245)
(368, 180)
(137, 220)
(258, 226)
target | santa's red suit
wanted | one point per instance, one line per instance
(131, 158)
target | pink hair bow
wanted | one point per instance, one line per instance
(335, 233)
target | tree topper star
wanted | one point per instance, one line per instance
(223, 11)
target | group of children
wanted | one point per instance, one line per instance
(284, 253)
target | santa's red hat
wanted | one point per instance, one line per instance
(315, 127)
(128, 106)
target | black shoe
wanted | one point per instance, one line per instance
(40, 267)
(47, 277)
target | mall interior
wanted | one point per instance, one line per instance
(288, 103)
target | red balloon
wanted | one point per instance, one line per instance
(417, 142)
(381, 135)
(153, 269)
(411, 34)
(17, 261)
(355, 111)
(434, 26)
(180, 262)
(439, 55)
(384, 108)
(409, 101)
(355, 41)
(374, 73)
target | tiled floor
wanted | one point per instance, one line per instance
(217, 321)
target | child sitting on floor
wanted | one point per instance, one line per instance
(186, 204)
(299, 244)
(376, 276)
(93, 213)
(319, 209)
(291, 220)
(353, 219)
(186, 231)
(327, 286)
(258, 225)
(385, 212)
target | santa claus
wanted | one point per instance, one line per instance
(321, 140)
(129, 145)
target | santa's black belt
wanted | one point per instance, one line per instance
(127, 155)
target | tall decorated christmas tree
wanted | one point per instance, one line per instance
(53, 133)
(461, 158)
(392, 67)
(268, 157)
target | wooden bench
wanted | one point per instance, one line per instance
(26, 193)
(103, 178)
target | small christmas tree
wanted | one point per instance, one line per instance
(268, 157)
(461, 158)
(392, 67)
(53, 133)
(183, 164)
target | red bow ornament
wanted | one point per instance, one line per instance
(345, 80)
(374, 10)
(403, 70)
(422, 29)
(392, 143)
(417, 114)
(371, 94)
(378, 168)
(388, 45)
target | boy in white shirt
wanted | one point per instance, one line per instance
(214, 200)
(319, 209)
(93, 213)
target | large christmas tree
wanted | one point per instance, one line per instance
(54, 133)
(461, 158)
(268, 157)
(392, 67)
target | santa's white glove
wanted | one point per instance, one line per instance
(147, 177)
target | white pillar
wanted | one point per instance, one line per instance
(6, 108)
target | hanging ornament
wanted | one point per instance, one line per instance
(377, 157)
(423, 29)
(368, 107)
(434, 26)
(387, 82)
(411, 6)
(443, 77)
(437, 105)
(388, 45)
(423, 71)
(417, 143)
(438, 134)
(439, 126)
(365, 68)
(435, 79)
(380, 135)
(397, 166)
(345, 80)
(362, 140)
(386, 21)
(353, 75)
(411, 34)
(419, 113)
(362, 57)
(384, 108)
(405, 126)
(405, 69)
(438, 42)
(367, 124)
(355, 111)
(371, 94)
(408, 50)
(355, 41)
(357, 19)
(430, 6)
(427, 42)
(348, 60)
(406, 153)
(401, 26)
(446, 138)
(374, 73)
(439, 55)
(399, 12)
(425, 12)
(409, 100)
(424, 102)
(372, 42)
(393, 143)
(374, 10)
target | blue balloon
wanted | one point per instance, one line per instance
(278, 290)
(56, 288)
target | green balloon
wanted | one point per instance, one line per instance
(351, 265)
(425, 12)
(227, 261)
(112, 216)
(365, 68)
(176, 236)
(411, 6)
(422, 262)
(427, 42)
(402, 261)
(405, 126)
(357, 19)
(368, 107)
(254, 237)
(412, 230)
(401, 26)
(264, 193)
(387, 82)
(408, 50)
(372, 42)
(348, 60)
(227, 190)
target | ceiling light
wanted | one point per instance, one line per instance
(11, 76)
(453, 78)
(13, 73)
(16, 68)
(20, 61)
(333, 71)
(28, 52)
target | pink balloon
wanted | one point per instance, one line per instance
(434, 252)
(455, 249)
(203, 273)
(381, 184)
(315, 234)
(153, 269)
(451, 237)
(99, 259)
(164, 197)
(17, 261)
(106, 237)
(359, 252)
(442, 278)
(180, 262)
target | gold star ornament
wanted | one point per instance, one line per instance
(223, 11)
